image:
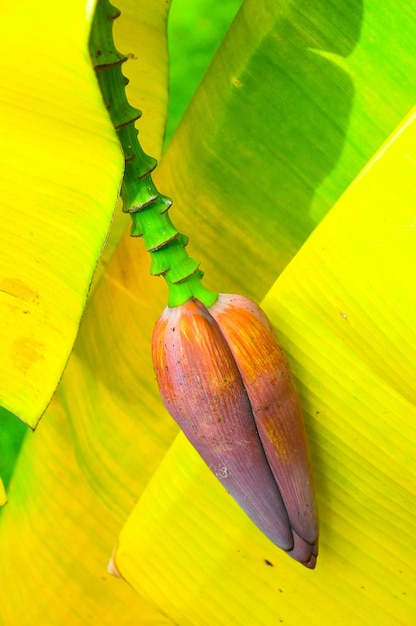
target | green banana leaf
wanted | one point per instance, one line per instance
(195, 30)
(295, 103)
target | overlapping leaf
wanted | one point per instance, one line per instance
(57, 198)
(298, 98)
(54, 568)
(345, 309)
(61, 172)
(55, 535)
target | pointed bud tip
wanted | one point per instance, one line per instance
(311, 564)
(304, 552)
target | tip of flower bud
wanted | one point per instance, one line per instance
(304, 552)
(311, 564)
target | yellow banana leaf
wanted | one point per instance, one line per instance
(55, 536)
(106, 433)
(54, 218)
(61, 168)
(346, 309)
(38, 549)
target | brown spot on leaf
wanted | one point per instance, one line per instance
(26, 352)
(236, 82)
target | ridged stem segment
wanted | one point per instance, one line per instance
(147, 206)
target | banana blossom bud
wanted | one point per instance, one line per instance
(225, 380)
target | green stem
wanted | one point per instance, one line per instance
(147, 206)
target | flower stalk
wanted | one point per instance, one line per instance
(147, 207)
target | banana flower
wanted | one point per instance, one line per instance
(225, 380)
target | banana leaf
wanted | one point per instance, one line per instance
(345, 309)
(295, 103)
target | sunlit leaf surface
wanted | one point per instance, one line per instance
(67, 501)
(61, 172)
(299, 97)
(57, 197)
(345, 310)
(55, 535)
(57, 529)
(109, 389)
(141, 34)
